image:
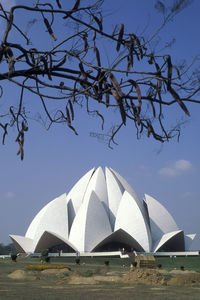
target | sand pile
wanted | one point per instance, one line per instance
(145, 276)
(77, 278)
(189, 278)
(55, 272)
(21, 274)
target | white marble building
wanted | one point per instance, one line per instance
(103, 213)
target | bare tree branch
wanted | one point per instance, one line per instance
(139, 85)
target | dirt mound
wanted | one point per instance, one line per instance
(100, 278)
(55, 272)
(145, 276)
(181, 272)
(77, 278)
(185, 279)
(21, 274)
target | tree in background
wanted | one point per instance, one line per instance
(140, 85)
(7, 249)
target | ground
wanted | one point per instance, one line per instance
(92, 279)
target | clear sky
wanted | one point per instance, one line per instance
(55, 160)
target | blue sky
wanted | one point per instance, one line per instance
(55, 160)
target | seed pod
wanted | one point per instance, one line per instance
(115, 84)
(121, 106)
(138, 44)
(49, 29)
(169, 73)
(71, 109)
(120, 36)
(180, 102)
(97, 56)
(98, 21)
(85, 41)
(68, 116)
(134, 83)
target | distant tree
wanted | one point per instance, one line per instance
(45, 255)
(7, 249)
(140, 84)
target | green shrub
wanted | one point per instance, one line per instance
(106, 263)
(77, 261)
(44, 255)
(14, 257)
(88, 273)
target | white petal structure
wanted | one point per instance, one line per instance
(102, 212)
(91, 225)
(130, 219)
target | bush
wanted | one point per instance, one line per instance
(106, 263)
(14, 257)
(47, 259)
(182, 268)
(88, 273)
(44, 255)
(77, 261)
(159, 266)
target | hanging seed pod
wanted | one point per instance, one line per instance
(120, 36)
(180, 102)
(71, 109)
(169, 73)
(98, 21)
(97, 56)
(115, 84)
(49, 29)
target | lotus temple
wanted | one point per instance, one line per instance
(103, 213)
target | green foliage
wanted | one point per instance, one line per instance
(44, 255)
(7, 249)
(14, 257)
(88, 273)
(106, 263)
(77, 261)
(45, 252)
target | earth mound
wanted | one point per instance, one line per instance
(21, 274)
(77, 278)
(55, 272)
(145, 276)
(185, 279)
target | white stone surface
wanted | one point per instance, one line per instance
(98, 185)
(115, 192)
(195, 243)
(49, 239)
(189, 238)
(22, 243)
(160, 219)
(90, 225)
(130, 219)
(165, 238)
(54, 218)
(76, 195)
